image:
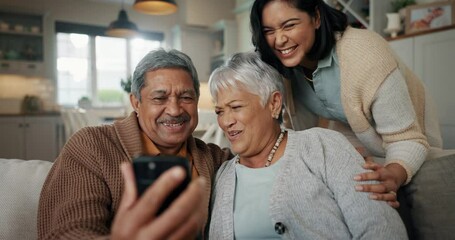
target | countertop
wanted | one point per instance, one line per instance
(38, 114)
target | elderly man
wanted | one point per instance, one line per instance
(84, 194)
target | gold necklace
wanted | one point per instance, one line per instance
(272, 152)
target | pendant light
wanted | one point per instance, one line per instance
(122, 27)
(155, 7)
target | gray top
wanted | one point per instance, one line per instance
(252, 200)
(313, 195)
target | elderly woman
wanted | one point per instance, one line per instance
(285, 184)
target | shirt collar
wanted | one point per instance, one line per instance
(327, 61)
(151, 149)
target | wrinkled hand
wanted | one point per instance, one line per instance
(136, 218)
(390, 179)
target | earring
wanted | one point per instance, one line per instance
(137, 113)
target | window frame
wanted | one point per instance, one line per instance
(93, 32)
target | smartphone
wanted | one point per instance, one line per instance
(148, 168)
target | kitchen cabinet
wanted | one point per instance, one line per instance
(21, 44)
(368, 14)
(218, 41)
(431, 58)
(26, 68)
(204, 13)
(30, 137)
(242, 15)
(224, 42)
(404, 48)
(191, 40)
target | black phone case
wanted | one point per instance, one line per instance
(148, 168)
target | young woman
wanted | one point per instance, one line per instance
(352, 77)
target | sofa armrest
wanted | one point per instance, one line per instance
(21, 183)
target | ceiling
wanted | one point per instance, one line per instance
(126, 2)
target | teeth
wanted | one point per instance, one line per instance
(172, 124)
(234, 133)
(287, 51)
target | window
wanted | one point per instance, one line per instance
(92, 65)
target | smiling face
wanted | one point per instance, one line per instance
(167, 112)
(289, 32)
(249, 126)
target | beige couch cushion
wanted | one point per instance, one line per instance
(20, 186)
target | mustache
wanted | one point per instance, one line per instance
(177, 119)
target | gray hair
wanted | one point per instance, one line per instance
(162, 59)
(249, 71)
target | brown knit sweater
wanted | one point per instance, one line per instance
(84, 187)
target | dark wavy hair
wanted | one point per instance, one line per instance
(332, 21)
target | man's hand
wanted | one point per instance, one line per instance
(136, 218)
(390, 179)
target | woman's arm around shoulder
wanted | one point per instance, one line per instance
(366, 219)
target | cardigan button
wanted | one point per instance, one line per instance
(280, 228)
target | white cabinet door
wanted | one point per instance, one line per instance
(42, 138)
(25, 68)
(224, 42)
(244, 33)
(434, 63)
(9, 67)
(30, 137)
(195, 42)
(404, 48)
(31, 68)
(12, 137)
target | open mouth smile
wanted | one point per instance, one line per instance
(287, 51)
(172, 125)
(233, 133)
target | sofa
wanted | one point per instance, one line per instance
(427, 203)
(20, 186)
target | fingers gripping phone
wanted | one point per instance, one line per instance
(147, 169)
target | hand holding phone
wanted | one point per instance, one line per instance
(148, 168)
(136, 218)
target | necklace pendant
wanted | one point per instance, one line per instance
(275, 147)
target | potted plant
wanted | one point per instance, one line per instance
(126, 84)
(84, 102)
